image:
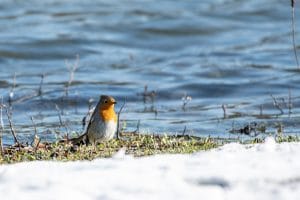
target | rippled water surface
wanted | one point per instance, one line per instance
(222, 52)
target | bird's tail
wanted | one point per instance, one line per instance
(80, 140)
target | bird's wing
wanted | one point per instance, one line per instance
(88, 119)
(92, 113)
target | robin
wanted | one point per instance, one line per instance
(102, 125)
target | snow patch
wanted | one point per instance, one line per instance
(269, 145)
(234, 171)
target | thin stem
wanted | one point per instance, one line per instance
(290, 104)
(62, 124)
(34, 125)
(40, 90)
(1, 128)
(11, 127)
(118, 124)
(293, 32)
(183, 132)
(138, 127)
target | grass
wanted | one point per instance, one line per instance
(133, 144)
(289, 138)
(136, 145)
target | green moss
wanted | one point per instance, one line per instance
(289, 138)
(136, 145)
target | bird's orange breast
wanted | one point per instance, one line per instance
(108, 114)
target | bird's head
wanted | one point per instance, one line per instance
(107, 102)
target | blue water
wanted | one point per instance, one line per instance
(230, 52)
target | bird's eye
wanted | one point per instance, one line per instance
(105, 101)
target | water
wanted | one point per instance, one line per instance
(223, 52)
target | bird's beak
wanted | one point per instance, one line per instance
(114, 102)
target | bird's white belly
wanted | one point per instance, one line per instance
(102, 131)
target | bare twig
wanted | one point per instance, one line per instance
(185, 100)
(148, 95)
(276, 104)
(11, 95)
(59, 114)
(62, 124)
(118, 124)
(224, 111)
(1, 127)
(183, 132)
(290, 104)
(40, 90)
(72, 68)
(36, 143)
(293, 32)
(25, 97)
(138, 126)
(34, 125)
(13, 132)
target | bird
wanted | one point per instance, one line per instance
(102, 125)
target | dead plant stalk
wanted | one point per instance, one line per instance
(71, 68)
(1, 127)
(294, 32)
(118, 124)
(12, 130)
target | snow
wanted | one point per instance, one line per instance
(234, 171)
